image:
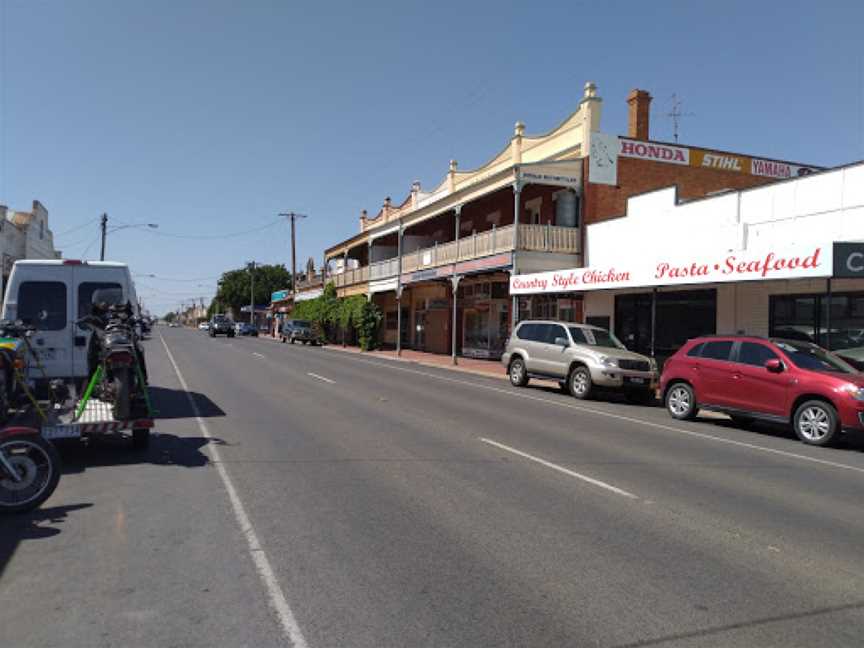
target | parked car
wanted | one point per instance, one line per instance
(245, 328)
(782, 381)
(584, 359)
(297, 331)
(221, 325)
(204, 326)
(53, 295)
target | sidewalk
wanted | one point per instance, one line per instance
(489, 368)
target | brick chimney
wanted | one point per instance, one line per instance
(640, 109)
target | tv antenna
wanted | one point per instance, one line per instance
(676, 115)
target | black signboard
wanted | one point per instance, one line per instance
(849, 260)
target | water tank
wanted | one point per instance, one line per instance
(567, 209)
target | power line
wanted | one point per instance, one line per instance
(79, 227)
(215, 236)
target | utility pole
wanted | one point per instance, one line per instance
(104, 221)
(292, 216)
(252, 293)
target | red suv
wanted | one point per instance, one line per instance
(769, 379)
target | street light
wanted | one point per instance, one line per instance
(104, 226)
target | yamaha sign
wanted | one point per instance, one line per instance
(849, 260)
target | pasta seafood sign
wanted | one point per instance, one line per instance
(796, 262)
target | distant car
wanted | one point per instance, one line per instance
(775, 380)
(173, 325)
(221, 325)
(203, 326)
(298, 331)
(244, 328)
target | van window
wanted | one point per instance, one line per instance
(43, 304)
(85, 294)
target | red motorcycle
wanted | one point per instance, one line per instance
(29, 469)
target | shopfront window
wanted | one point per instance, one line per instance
(486, 318)
(680, 315)
(835, 323)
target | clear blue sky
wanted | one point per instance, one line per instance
(210, 117)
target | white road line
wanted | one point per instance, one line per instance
(260, 355)
(327, 380)
(513, 393)
(566, 471)
(256, 551)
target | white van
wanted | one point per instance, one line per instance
(52, 295)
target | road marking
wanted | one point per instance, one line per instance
(566, 471)
(327, 380)
(660, 426)
(260, 355)
(256, 551)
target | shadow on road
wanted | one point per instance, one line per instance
(164, 450)
(174, 404)
(36, 525)
(852, 441)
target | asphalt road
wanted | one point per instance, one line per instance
(330, 499)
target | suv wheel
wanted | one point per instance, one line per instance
(816, 423)
(518, 373)
(681, 401)
(580, 383)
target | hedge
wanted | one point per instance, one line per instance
(344, 312)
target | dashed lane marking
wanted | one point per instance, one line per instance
(562, 469)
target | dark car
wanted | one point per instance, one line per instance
(298, 331)
(221, 325)
(776, 380)
(245, 328)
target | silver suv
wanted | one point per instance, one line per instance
(584, 359)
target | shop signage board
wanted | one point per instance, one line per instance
(603, 161)
(654, 151)
(849, 260)
(566, 173)
(797, 262)
(694, 157)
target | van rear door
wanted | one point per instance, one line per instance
(88, 280)
(46, 303)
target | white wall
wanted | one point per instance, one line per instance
(789, 213)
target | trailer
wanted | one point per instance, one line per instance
(91, 418)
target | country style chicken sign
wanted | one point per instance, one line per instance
(793, 263)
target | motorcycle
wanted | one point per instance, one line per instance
(29, 469)
(116, 361)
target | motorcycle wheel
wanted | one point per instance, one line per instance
(121, 394)
(37, 464)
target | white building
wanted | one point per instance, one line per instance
(24, 235)
(785, 259)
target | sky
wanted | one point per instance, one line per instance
(210, 117)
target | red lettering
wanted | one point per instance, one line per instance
(626, 147)
(793, 263)
(662, 268)
(679, 156)
(813, 260)
(766, 266)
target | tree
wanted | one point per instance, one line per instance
(170, 317)
(233, 287)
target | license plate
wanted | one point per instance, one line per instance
(61, 431)
(636, 381)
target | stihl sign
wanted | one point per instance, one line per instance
(744, 266)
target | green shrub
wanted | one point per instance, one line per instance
(328, 310)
